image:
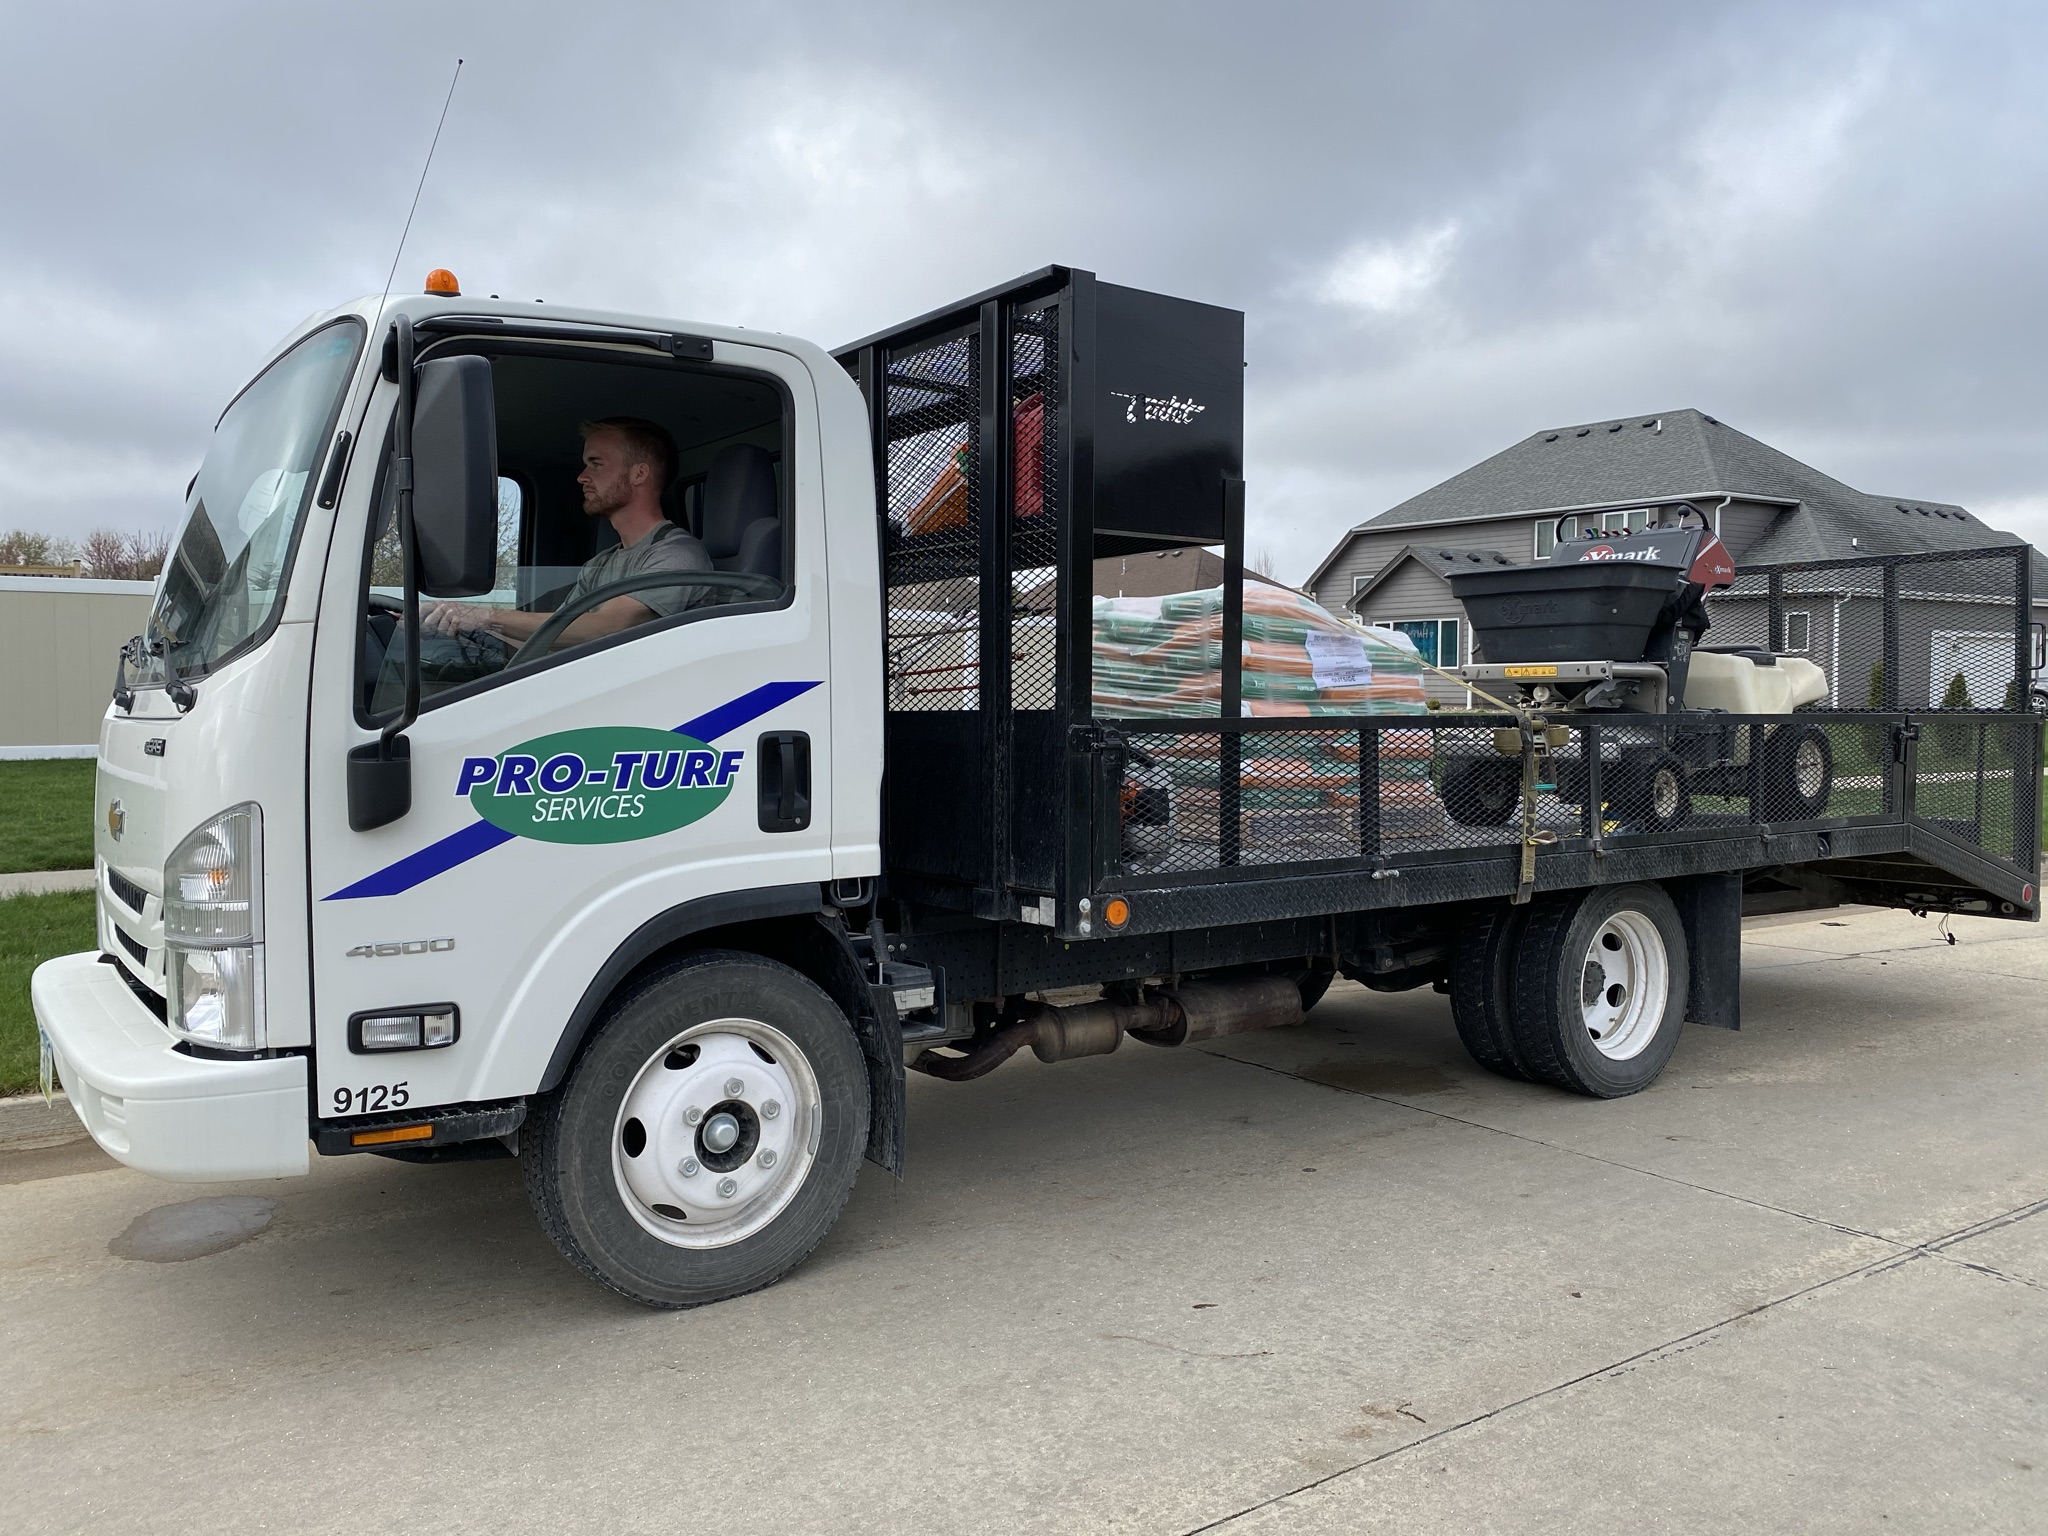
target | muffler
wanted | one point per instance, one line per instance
(1200, 1010)
(1205, 1010)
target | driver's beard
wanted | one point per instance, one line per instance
(607, 499)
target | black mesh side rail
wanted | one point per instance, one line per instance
(1392, 793)
(1943, 631)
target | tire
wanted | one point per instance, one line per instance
(1483, 793)
(1799, 773)
(1313, 984)
(1656, 797)
(655, 1177)
(1482, 991)
(1605, 1046)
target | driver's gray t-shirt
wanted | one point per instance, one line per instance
(666, 548)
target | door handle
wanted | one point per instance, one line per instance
(785, 781)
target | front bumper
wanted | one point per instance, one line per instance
(156, 1109)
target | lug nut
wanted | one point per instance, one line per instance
(692, 1115)
(734, 1087)
(768, 1158)
(727, 1186)
(688, 1167)
(771, 1109)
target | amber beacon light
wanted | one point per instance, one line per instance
(442, 281)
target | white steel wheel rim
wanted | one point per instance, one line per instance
(686, 1183)
(1624, 983)
(1808, 767)
(1664, 793)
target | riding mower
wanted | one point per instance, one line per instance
(1606, 631)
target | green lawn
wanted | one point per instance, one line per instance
(46, 814)
(32, 929)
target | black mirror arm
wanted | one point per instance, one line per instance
(401, 480)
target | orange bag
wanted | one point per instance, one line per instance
(945, 504)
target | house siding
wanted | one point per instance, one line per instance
(1366, 554)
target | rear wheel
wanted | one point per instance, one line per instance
(1655, 796)
(1600, 989)
(1482, 990)
(1799, 772)
(708, 1137)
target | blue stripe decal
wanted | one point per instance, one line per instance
(708, 727)
(480, 837)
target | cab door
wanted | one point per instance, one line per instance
(559, 805)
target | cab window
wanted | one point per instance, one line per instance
(634, 497)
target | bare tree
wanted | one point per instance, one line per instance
(22, 547)
(1262, 562)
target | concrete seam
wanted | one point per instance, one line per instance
(1683, 1343)
(1648, 1173)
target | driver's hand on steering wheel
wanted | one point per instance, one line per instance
(455, 618)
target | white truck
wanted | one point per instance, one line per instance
(664, 908)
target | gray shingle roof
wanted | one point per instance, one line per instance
(1687, 453)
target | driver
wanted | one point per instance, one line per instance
(626, 463)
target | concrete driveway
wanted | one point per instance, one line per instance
(1330, 1279)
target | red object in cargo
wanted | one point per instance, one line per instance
(1027, 440)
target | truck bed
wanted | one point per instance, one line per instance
(1281, 819)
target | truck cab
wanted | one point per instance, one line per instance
(273, 957)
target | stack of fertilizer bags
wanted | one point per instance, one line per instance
(1162, 656)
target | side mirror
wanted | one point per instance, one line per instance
(455, 477)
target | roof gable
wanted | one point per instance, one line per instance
(1684, 453)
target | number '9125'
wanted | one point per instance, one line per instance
(365, 1101)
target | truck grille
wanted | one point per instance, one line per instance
(140, 954)
(126, 891)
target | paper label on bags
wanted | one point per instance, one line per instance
(1338, 661)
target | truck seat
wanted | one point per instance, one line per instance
(741, 529)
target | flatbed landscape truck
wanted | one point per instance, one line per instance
(666, 906)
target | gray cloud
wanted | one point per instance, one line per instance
(1448, 225)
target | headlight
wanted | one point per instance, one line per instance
(213, 933)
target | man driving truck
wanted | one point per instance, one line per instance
(626, 464)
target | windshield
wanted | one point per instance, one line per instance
(222, 585)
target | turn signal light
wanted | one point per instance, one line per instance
(442, 281)
(390, 1134)
(1116, 912)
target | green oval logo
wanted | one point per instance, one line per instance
(608, 784)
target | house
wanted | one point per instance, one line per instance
(1768, 508)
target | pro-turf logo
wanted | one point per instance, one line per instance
(610, 784)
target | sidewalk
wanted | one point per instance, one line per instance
(40, 882)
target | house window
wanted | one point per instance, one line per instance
(1435, 639)
(1798, 631)
(1358, 584)
(1546, 537)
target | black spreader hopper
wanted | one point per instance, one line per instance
(1609, 597)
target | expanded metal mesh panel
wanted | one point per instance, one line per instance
(1195, 801)
(933, 511)
(1979, 781)
(1034, 532)
(1888, 632)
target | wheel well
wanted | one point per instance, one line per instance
(816, 947)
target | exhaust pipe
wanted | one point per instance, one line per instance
(1202, 1010)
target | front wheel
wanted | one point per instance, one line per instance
(709, 1136)
(1483, 792)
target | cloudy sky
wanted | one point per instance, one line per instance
(1448, 224)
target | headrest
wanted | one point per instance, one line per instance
(739, 490)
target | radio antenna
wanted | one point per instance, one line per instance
(434, 144)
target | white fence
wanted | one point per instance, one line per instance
(59, 638)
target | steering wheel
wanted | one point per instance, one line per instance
(542, 640)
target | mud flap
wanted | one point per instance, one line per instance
(1710, 906)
